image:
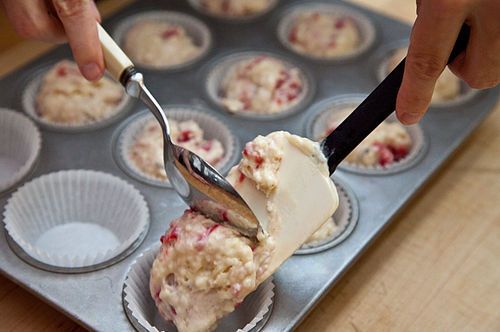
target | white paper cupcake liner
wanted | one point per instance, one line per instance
(196, 29)
(235, 19)
(346, 218)
(219, 69)
(364, 24)
(141, 310)
(76, 220)
(29, 105)
(323, 111)
(466, 92)
(19, 148)
(212, 127)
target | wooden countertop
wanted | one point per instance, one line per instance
(436, 268)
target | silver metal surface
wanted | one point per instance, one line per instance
(198, 183)
(94, 299)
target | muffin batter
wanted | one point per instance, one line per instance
(323, 233)
(235, 8)
(147, 150)
(203, 271)
(387, 144)
(262, 170)
(263, 85)
(159, 44)
(324, 35)
(66, 97)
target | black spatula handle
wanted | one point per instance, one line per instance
(373, 111)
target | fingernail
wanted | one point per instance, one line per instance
(410, 118)
(91, 71)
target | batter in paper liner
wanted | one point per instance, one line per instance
(66, 97)
(205, 269)
(262, 84)
(147, 150)
(324, 34)
(160, 44)
(390, 142)
(235, 8)
(323, 233)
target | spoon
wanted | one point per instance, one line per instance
(373, 111)
(199, 184)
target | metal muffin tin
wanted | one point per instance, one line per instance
(94, 299)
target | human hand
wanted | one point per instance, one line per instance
(433, 36)
(58, 21)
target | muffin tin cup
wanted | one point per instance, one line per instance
(365, 27)
(196, 4)
(324, 111)
(20, 147)
(384, 56)
(76, 221)
(212, 128)
(141, 310)
(345, 217)
(29, 105)
(219, 68)
(196, 29)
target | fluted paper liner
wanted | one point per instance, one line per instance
(76, 219)
(141, 310)
(212, 127)
(229, 18)
(195, 28)
(220, 68)
(19, 149)
(345, 217)
(30, 94)
(337, 107)
(363, 23)
(466, 92)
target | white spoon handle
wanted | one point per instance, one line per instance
(115, 59)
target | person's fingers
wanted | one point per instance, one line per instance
(97, 15)
(31, 19)
(79, 20)
(433, 36)
(479, 66)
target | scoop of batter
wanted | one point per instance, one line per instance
(203, 271)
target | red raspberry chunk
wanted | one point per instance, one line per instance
(185, 136)
(171, 236)
(293, 36)
(203, 237)
(169, 33)
(62, 71)
(241, 178)
(250, 153)
(207, 146)
(385, 155)
(399, 152)
(259, 160)
(340, 23)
